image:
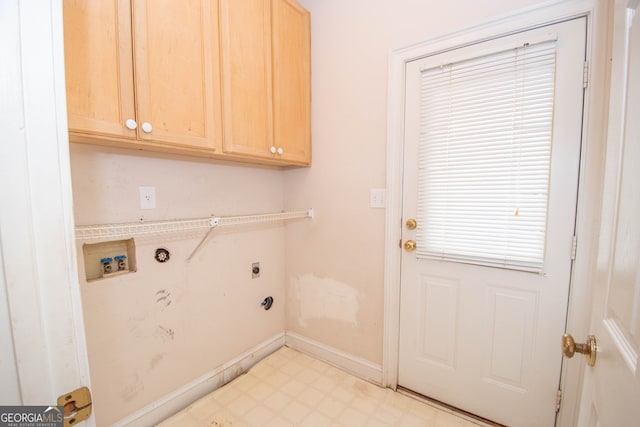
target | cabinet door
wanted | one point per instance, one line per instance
(246, 76)
(99, 70)
(291, 82)
(177, 72)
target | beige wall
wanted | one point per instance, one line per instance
(335, 263)
(153, 331)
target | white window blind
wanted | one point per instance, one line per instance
(484, 158)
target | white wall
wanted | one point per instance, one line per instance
(335, 263)
(153, 331)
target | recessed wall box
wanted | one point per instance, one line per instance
(108, 259)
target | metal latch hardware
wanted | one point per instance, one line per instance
(77, 406)
(585, 74)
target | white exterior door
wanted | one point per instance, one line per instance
(611, 393)
(473, 335)
(42, 314)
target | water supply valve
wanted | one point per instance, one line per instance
(106, 264)
(120, 259)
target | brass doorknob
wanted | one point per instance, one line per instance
(410, 246)
(411, 224)
(589, 349)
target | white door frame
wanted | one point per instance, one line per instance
(39, 272)
(591, 166)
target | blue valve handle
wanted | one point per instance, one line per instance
(120, 257)
(106, 260)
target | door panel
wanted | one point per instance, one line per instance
(481, 338)
(437, 322)
(612, 387)
(512, 313)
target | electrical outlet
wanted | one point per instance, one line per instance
(147, 197)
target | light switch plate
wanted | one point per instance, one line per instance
(377, 198)
(147, 197)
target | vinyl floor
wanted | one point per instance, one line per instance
(289, 388)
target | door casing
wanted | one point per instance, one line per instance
(37, 230)
(597, 13)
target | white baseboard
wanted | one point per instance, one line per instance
(173, 402)
(357, 366)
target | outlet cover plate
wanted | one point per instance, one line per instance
(147, 197)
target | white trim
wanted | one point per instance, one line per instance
(179, 399)
(589, 203)
(37, 212)
(66, 195)
(590, 179)
(10, 392)
(357, 366)
(621, 342)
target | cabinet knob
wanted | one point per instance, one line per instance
(146, 127)
(131, 124)
(273, 150)
(280, 151)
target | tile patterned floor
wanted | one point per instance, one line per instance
(289, 388)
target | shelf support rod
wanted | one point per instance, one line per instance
(213, 223)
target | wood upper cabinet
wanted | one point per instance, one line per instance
(291, 82)
(246, 76)
(266, 80)
(173, 48)
(99, 67)
(177, 71)
(217, 78)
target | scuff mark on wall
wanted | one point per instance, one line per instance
(131, 390)
(135, 325)
(164, 334)
(163, 298)
(323, 298)
(156, 359)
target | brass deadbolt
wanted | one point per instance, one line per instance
(411, 224)
(410, 245)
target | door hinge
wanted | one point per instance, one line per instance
(585, 74)
(558, 400)
(574, 247)
(76, 406)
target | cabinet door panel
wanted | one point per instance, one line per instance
(291, 81)
(176, 69)
(246, 75)
(99, 70)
